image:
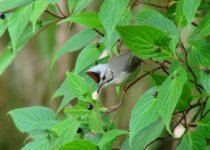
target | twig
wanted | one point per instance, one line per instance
(166, 138)
(98, 32)
(186, 112)
(194, 24)
(185, 120)
(139, 78)
(61, 12)
(115, 107)
(203, 115)
(49, 24)
(188, 67)
(163, 67)
(119, 45)
(54, 15)
(157, 6)
(192, 125)
(135, 3)
(206, 113)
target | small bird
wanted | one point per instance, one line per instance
(115, 72)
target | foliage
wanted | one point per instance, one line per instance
(153, 33)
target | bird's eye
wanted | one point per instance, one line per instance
(103, 78)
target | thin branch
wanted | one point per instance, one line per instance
(166, 138)
(206, 113)
(61, 12)
(188, 67)
(139, 78)
(157, 6)
(116, 107)
(203, 115)
(163, 67)
(137, 2)
(199, 103)
(46, 26)
(185, 120)
(100, 33)
(54, 15)
(194, 24)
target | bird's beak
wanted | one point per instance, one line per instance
(95, 76)
(99, 88)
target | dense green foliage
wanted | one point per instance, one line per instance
(181, 78)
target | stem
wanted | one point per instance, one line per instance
(100, 33)
(139, 78)
(166, 138)
(49, 24)
(54, 15)
(157, 6)
(61, 12)
(188, 67)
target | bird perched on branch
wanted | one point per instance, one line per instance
(115, 72)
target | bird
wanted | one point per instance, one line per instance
(116, 71)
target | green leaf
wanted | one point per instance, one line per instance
(199, 54)
(88, 55)
(110, 14)
(143, 113)
(205, 80)
(185, 98)
(203, 126)
(146, 41)
(207, 106)
(10, 4)
(95, 122)
(169, 94)
(192, 141)
(36, 118)
(9, 55)
(111, 135)
(38, 8)
(76, 6)
(145, 136)
(17, 24)
(38, 144)
(66, 130)
(79, 145)
(69, 125)
(63, 90)
(3, 27)
(180, 17)
(79, 87)
(150, 17)
(77, 42)
(158, 78)
(111, 42)
(190, 7)
(203, 29)
(78, 110)
(207, 147)
(185, 11)
(89, 19)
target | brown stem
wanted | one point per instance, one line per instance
(139, 78)
(61, 12)
(199, 103)
(54, 15)
(188, 67)
(157, 6)
(100, 33)
(116, 107)
(166, 138)
(46, 26)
